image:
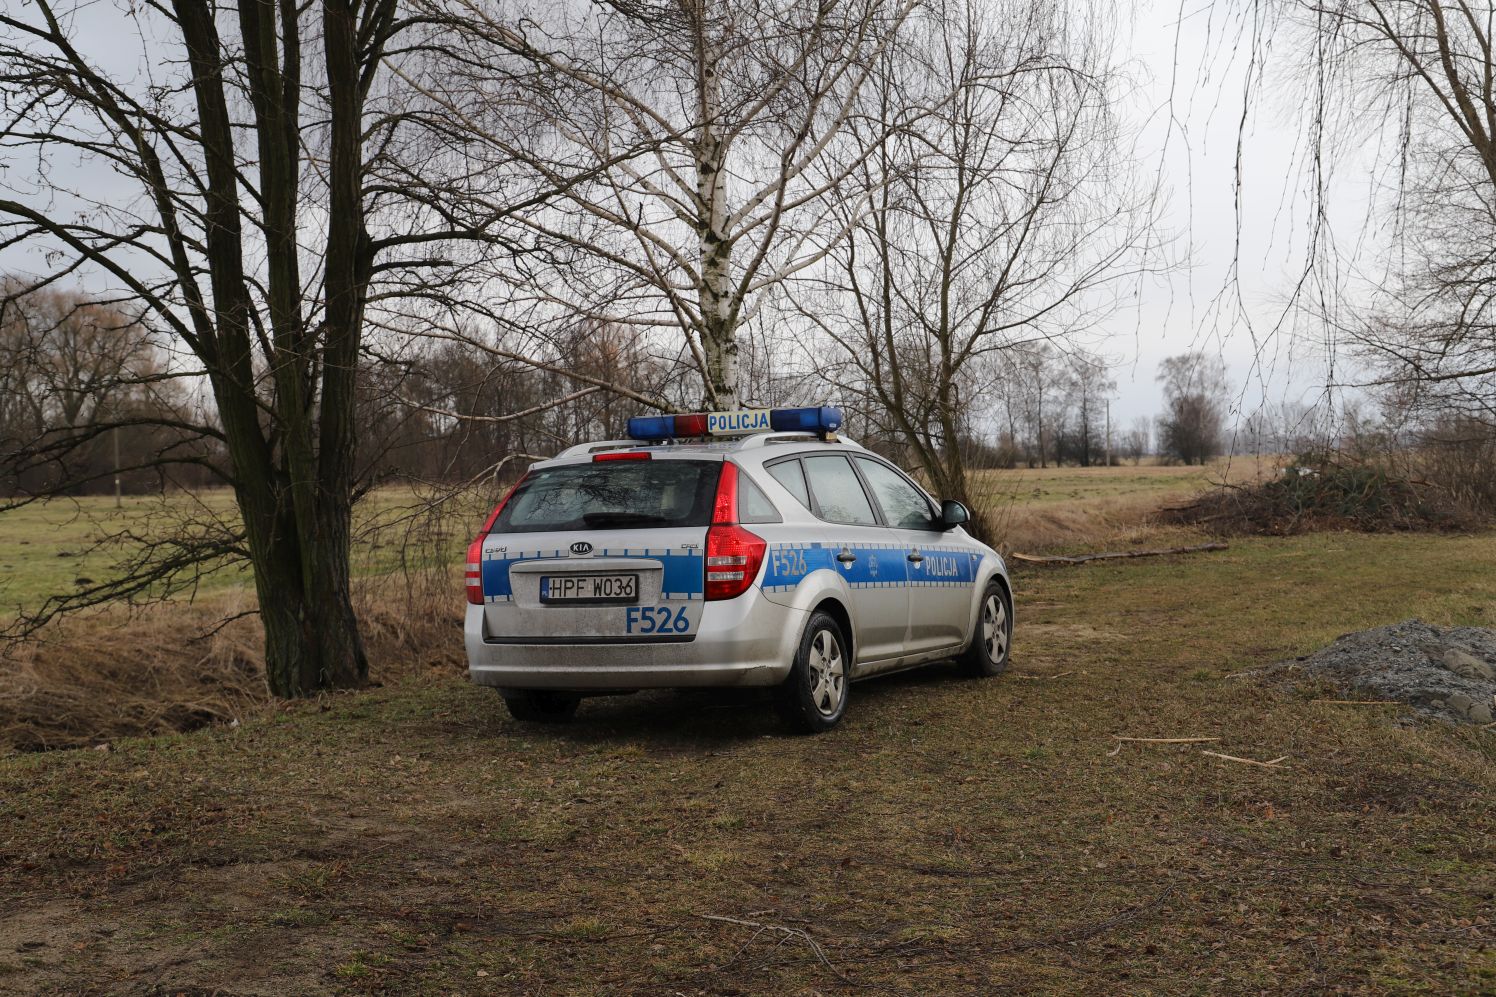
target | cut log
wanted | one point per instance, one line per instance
(1113, 555)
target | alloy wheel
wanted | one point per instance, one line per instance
(827, 673)
(995, 627)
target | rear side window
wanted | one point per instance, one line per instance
(613, 495)
(903, 504)
(838, 493)
(753, 505)
(788, 474)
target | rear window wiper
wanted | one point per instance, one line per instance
(623, 519)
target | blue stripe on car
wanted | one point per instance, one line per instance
(877, 565)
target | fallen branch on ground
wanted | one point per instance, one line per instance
(1156, 740)
(1113, 555)
(1248, 761)
(786, 933)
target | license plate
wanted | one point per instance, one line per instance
(593, 589)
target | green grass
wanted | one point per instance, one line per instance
(54, 547)
(51, 548)
(950, 836)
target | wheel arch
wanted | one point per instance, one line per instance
(834, 608)
(1001, 578)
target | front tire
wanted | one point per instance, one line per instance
(813, 698)
(540, 706)
(987, 654)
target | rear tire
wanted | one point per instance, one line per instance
(813, 698)
(992, 639)
(540, 706)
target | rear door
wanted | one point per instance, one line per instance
(605, 550)
(870, 561)
(941, 574)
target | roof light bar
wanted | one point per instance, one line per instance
(743, 422)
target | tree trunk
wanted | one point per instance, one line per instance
(719, 345)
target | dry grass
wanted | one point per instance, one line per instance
(173, 667)
(1073, 508)
(950, 837)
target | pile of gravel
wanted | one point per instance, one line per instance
(1446, 672)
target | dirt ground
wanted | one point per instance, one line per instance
(953, 836)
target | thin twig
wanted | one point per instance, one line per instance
(1248, 761)
(1155, 740)
(786, 933)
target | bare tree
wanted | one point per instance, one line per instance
(1195, 394)
(1400, 90)
(700, 127)
(68, 363)
(268, 187)
(999, 219)
(1138, 438)
(1089, 385)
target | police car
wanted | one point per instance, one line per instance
(751, 548)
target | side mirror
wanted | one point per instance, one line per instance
(953, 514)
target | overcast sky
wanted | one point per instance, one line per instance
(1188, 111)
(1185, 113)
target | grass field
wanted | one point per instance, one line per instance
(53, 548)
(950, 837)
(50, 548)
(1034, 486)
(1069, 508)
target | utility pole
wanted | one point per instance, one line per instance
(115, 435)
(1108, 433)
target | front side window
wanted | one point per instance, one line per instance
(903, 504)
(838, 493)
(613, 495)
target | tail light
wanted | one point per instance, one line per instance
(733, 555)
(473, 576)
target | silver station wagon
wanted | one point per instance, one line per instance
(752, 548)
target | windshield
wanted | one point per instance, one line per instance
(612, 495)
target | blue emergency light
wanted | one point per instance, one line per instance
(820, 419)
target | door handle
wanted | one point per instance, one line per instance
(846, 556)
(916, 556)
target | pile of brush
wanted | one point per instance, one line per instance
(1321, 491)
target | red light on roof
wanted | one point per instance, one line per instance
(620, 455)
(691, 425)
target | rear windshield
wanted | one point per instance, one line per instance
(613, 495)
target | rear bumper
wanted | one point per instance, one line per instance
(747, 641)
